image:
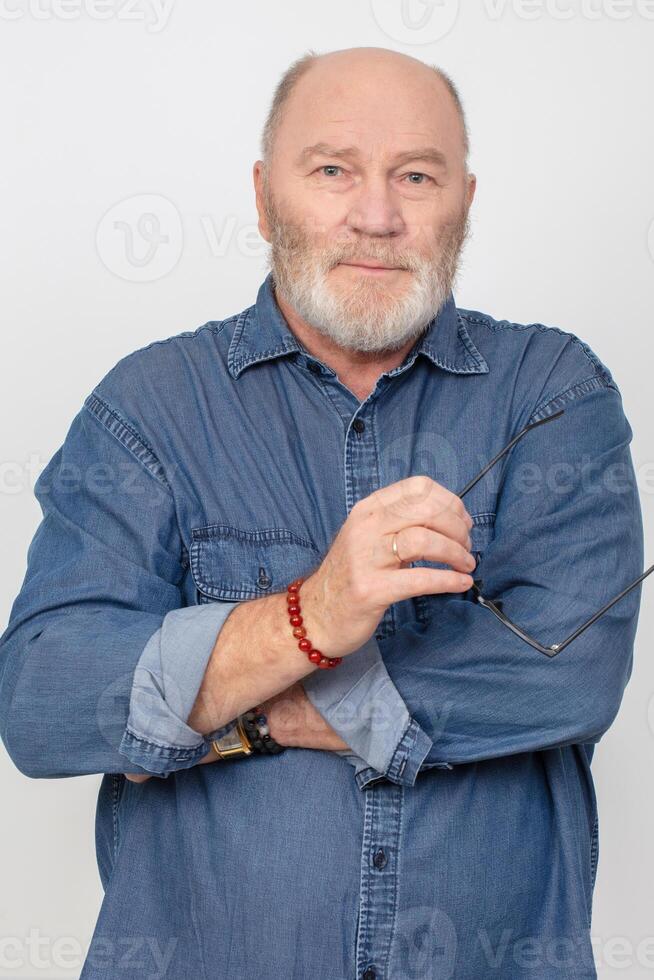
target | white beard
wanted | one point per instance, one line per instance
(363, 314)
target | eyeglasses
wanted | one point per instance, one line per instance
(496, 606)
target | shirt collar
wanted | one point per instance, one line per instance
(262, 333)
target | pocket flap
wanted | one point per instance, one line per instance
(233, 564)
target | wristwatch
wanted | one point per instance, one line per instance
(233, 744)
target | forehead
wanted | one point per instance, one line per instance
(373, 110)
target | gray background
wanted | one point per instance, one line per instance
(113, 111)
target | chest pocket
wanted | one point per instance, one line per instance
(233, 564)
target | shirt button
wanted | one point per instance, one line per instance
(358, 425)
(379, 860)
(370, 973)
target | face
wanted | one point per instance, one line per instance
(365, 244)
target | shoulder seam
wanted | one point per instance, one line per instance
(129, 437)
(214, 325)
(579, 389)
(494, 325)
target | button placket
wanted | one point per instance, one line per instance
(378, 885)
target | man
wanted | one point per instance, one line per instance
(432, 812)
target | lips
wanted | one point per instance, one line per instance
(370, 265)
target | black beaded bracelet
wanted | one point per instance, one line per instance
(255, 725)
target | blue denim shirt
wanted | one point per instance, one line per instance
(458, 837)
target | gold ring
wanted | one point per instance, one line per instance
(395, 551)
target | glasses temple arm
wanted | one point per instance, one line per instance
(600, 612)
(487, 467)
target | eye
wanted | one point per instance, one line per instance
(415, 174)
(329, 166)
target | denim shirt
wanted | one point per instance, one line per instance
(458, 835)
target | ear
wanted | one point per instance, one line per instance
(257, 174)
(470, 189)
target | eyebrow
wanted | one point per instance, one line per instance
(429, 153)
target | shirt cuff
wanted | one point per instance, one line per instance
(166, 682)
(362, 704)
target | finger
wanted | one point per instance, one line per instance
(405, 583)
(420, 501)
(413, 491)
(418, 543)
(135, 777)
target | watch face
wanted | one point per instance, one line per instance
(231, 743)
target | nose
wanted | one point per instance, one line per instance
(375, 211)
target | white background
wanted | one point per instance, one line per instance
(114, 103)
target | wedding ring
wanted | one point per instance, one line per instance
(395, 552)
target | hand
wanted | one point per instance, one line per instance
(343, 601)
(293, 721)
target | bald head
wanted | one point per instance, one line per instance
(349, 67)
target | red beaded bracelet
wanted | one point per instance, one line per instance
(299, 631)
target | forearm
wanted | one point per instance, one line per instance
(254, 659)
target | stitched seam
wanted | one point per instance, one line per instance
(127, 436)
(284, 348)
(468, 342)
(569, 394)
(402, 751)
(216, 326)
(594, 850)
(397, 878)
(483, 520)
(115, 800)
(148, 744)
(227, 532)
(93, 398)
(496, 325)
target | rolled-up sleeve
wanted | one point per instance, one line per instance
(102, 657)
(362, 704)
(167, 679)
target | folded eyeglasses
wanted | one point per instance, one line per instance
(495, 606)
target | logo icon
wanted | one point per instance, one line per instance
(141, 238)
(415, 21)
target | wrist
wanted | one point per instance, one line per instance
(314, 619)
